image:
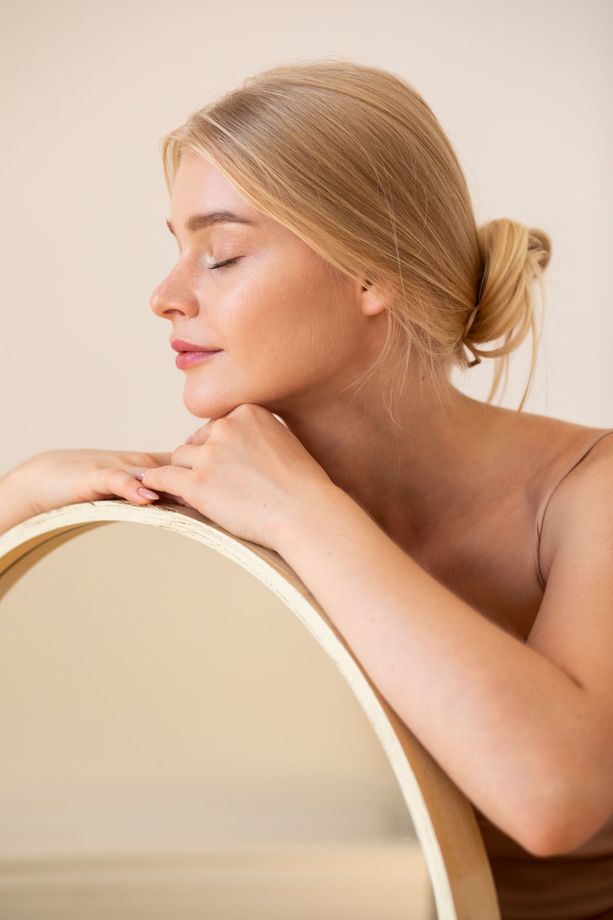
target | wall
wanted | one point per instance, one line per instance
(87, 90)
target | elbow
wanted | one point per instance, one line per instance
(569, 797)
(561, 823)
(549, 840)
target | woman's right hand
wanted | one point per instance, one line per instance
(64, 477)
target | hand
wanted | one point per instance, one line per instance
(62, 477)
(245, 471)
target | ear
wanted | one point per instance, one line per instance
(374, 296)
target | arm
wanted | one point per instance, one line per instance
(16, 501)
(499, 717)
(54, 478)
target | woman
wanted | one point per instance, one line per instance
(330, 275)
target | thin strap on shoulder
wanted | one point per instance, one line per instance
(540, 514)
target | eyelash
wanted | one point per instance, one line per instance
(224, 263)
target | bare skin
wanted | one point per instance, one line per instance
(292, 338)
(418, 545)
(457, 493)
(54, 478)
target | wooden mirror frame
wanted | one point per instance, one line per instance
(443, 817)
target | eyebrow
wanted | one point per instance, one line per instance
(198, 221)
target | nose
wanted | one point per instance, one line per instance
(173, 295)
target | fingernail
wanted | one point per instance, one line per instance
(147, 493)
(189, 440)
(139, 475)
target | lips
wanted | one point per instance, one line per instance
(181, 345)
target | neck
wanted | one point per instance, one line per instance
(411, 477)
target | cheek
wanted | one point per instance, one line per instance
(269, 316)
(285, 320)
(293, 334)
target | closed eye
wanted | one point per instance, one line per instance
(225, 263)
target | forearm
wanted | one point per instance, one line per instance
(501, 719)
(15, 499)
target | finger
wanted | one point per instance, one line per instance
(125, 485)
(200, 435)
(160, 459)
(176, 480)
(185, 455)
(165, 496)
(157, 459)
(176, 499)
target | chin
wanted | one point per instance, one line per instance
(203, 405)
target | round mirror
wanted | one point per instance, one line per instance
(176, 743)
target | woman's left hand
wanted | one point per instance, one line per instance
(247, 472)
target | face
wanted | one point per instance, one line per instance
(290, 333)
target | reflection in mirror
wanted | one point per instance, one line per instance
(176, 744)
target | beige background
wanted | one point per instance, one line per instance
(87, 91)
(176, 741)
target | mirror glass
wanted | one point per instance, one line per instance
(176, 744)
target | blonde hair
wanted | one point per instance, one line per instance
(352, 160)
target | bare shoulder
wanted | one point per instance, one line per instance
(577, 563)
(583, 493)
(574, 624)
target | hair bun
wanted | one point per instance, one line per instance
(539, 243)
(513, 256)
